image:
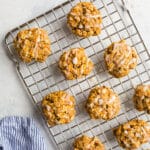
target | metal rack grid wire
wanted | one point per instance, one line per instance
(42, 78)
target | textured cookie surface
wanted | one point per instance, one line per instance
(84, 20)
(133, 134)
(103, 103)
(75, 64)
(58, 108)
(86, 143)
(32, 44)
(120, 58)
(142, 98)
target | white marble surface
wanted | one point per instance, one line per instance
(13, 98)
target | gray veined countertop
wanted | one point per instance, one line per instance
(13, 98)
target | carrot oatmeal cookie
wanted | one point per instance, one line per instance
(32, 44)
(120, 58)
(75, 64)
(103, 103)
(133, 134)
(141, 98)
(58, 108)
(84, 19)
(86, 143)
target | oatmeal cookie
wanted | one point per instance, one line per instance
(84, 19)
(75, 64)
(103, 103)
(58, 108)
(32, 44)
(120, 58)
(141, 98)
(133, 134)
(86, 143)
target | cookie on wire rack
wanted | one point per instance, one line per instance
(84, 19)
(87, 143)
(120, 58)
(58, 108)
(141, 98)
(133, 134)
(75, 64)
(103, 103)
(32, 44)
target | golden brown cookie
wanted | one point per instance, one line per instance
(86, 143)
(58, 108)
(75, 64)
(120, 58)
(141, 98)
(32, 44)
(133, 134)
(84, 19)
(103, 103)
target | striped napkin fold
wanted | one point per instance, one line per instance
(19, 133)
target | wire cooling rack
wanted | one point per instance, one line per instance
(42, 78)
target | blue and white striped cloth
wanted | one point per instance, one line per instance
(18, 133)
